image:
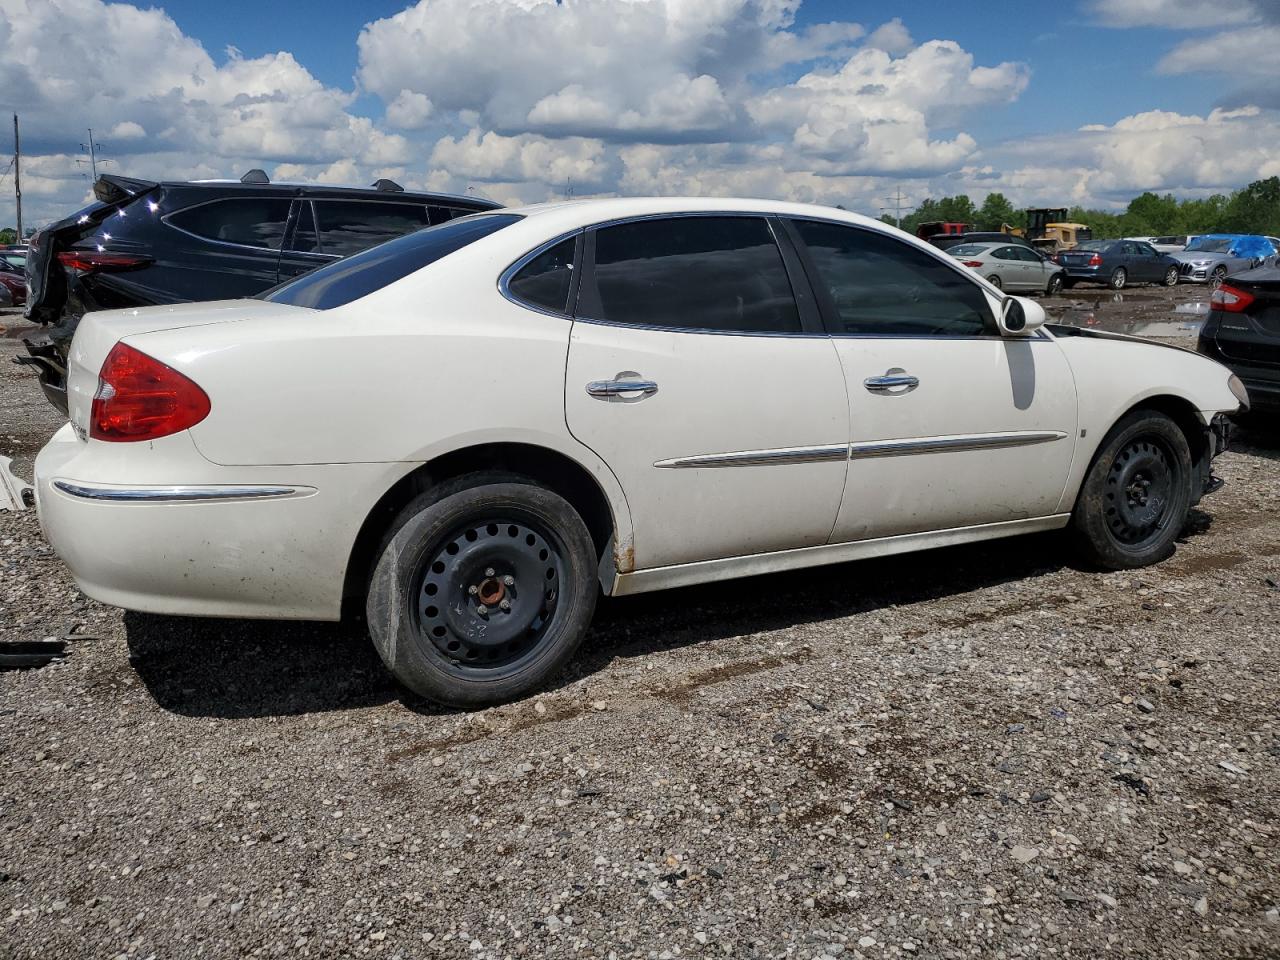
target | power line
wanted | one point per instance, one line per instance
(896, 200)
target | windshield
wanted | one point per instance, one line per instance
(967, 249)
(356, 276)
(1209, 245)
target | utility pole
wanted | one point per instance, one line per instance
(17, 174)
(896, 200)
(568, 188)
(93, 155)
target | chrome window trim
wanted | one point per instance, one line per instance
(504, 279)
(825, 453)
(960, 442)
(177, 494)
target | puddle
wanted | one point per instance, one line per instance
(1173, 313)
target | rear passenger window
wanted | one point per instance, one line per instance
(349, 226)
(878, 285)
(545, 280)
(248, 221)
(703, 273)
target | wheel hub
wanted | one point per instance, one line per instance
(488, 593)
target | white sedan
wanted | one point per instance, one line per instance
(473, 430)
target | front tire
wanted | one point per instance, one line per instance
(1135, 498)
(483, 591)
(1217, 276)
(996, 282)
(1118, 279)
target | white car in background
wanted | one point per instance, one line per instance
(1164, 244)
(475, 429)
(1010, 266)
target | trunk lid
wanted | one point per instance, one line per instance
(99, 332)
(1252, 337)
(46, 279)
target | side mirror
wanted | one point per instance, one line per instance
(1020, 317)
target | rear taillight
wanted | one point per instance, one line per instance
(1231, 299)
(93, 261)
(972, 263)
(1095, 260)
(140, 398)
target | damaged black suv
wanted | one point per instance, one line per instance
(144, 243)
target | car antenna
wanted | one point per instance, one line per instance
(255, 176)
(387, 186)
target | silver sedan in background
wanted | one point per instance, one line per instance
(1011, 267)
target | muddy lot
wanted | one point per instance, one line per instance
(981, 751)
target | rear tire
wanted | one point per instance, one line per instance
(1136, 495)
(1055, 284)
(1171, 277)
(995, 282)
(1118, 279)
(483, 590)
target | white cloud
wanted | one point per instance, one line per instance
(530, 158)
(1251, 51)
(873, 115)
(1176, 14)
(127, 130)
(891, 37)
(409, 110)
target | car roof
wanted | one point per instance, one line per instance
(983, 243)
(574, 214)
(326, 190)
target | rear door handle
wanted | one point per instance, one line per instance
(626, 387)
(895, 381)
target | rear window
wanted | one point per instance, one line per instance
(356, 276)
(1093, 244)
(246, 221)
(967, 249)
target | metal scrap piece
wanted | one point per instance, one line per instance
(13, 491)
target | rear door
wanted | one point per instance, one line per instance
(221, 249)
(698, 371)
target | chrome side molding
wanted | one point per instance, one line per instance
(176, 494)
(759, 458)
(959, 442)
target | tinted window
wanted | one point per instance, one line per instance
(1005, 253)
(248, 221)
(880, 285)
(349, 226)
(967, 249)
(345, 280)
(544, 281)
(710, 273)
(1030, 256)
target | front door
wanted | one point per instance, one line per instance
(691, 373)
(951, 425)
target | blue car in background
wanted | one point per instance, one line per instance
(1215, 256)
(1117, 263)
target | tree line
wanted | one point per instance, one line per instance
(1254, 209)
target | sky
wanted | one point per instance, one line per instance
(1078, 101)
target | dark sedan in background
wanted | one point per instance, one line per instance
(145, 243)
(1117, 263)
(1243, 332)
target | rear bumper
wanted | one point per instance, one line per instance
(269, 542)
(1085, 273)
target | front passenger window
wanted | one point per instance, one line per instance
(878, 285)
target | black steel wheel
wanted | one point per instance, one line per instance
(1136, 495)
(1139, 491)
(488, 593)
(484, 588)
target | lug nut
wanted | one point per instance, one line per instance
(482, 609)
(509, 580)
(488, 571)
(505, 605)
(473, 590)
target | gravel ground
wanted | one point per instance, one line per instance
(981, 751)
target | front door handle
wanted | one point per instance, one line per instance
(626, 387)
(894, 381)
